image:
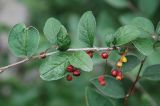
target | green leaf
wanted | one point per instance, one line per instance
(132, 62)
(126, 18)
(81, 60)
(23, 41)
(152, 72)
(95, 99)
(118, 3)
(63, 39)
(126, 34)
(51, 29)
(113, 87)
(144, 45)
(54, 67)
(109, 39)
(158, 28)
(144, 25)
(113, 57)
(148, 7)
(87, 29)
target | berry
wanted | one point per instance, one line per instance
(123, 59)
(103, 83)
(114, 73)
(69, 77)
(90, 53)
(42, 55)
(101, 78)
(119, 75)
(119, 64)
(70, 68)
(104, 55)
(76, 73)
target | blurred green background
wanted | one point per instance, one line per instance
(22, 86)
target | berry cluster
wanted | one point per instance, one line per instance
(73, 71)
(101, 80)
(117, 72)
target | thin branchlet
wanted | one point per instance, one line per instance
(2, 69)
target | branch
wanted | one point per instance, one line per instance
(2, 69)
(134, 83)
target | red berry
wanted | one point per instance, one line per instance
(90, 53)
(104, 55)
(103, 83)
(101, 78)
(70, 68)
(76, 73)
(114, 73)
(69, 77)
(119, 75)
(42, 55)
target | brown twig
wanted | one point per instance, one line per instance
(134, 83)
(2, 69)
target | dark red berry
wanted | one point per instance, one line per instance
(103, 83)
(90, 53)
(104, 55)
(70, 68)
(69, 77)
(76, 73)
(119, 73)
(114, 73)
(101, 78)
(42, 55)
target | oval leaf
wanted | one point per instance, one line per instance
(51, 29)
(87, 29)
(126, 34)
(144, 25)
(113, 88)
(158, 28)
(81, 60)
(152, 72)
(144, 45)
(54, 67)
(63, 40)
(132, 62)
(95, 99)
(23, 41)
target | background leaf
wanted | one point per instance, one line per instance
(145, 46)
(118, 3)
(87, 29)
(23, 41)
(113, 88)
(54, 67)
(152, 72)
(132, 62)
(126, 34)
(63, 39)
(96, 99)
(81, 60)
(148, 7)
(51, 29)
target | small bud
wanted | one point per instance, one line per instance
(119, 64)
(42, 55)
(123, 59)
